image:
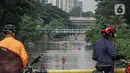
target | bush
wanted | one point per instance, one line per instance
(92, 35)
(123, 48)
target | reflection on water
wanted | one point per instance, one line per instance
(52, 55)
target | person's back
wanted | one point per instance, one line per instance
(104, 51)
(13, 58)
(12, 44)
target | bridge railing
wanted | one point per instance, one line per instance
(63, 30)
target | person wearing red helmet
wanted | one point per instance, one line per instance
(108, 33)
(104, 52)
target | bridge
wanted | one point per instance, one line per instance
(82, 19)
(78, 25)
(63, 30)
(82, 22)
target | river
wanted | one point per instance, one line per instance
(75, 53)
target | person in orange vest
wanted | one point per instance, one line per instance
(13, 58)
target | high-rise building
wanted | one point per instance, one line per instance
(50, 1)
(65, 5)
(75, 3)
(61, 4)
(71, 4)
(54, 2)
(80, 4)
(58, 3)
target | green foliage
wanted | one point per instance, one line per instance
(54, 13)
(127, 14)
(27, 15)
(123, 32)
(54, 24)
(53, 17)
(28, 32)
(122, 42)
(88, 14)
(12, 10)
(94, 34)
(123, 48)
(23, 14)
(105, 12)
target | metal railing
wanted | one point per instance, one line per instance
(63, 30)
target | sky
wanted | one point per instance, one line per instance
(89, 5)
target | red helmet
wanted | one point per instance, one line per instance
(108, 32)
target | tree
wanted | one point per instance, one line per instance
(28, 29)
(25, 15)
(88, 14)
(127, 14)
(53, 12)
(105, 12)
(12, 10)
(28, 15)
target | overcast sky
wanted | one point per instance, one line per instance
(89, 5)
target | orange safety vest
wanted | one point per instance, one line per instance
(15, 46)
